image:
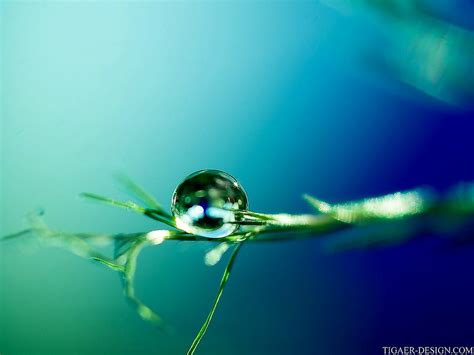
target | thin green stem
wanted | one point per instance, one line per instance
(128, 278)
(224, 280)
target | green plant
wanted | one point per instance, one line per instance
(385, 220)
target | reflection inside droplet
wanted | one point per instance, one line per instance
(204, 203)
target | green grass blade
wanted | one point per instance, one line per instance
(158, 215)
(111, 264)
(224, 280)
(128, 278)
(16, 235)
(109, 201)
(138, 192)
(388, 207)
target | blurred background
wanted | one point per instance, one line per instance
(339, 99)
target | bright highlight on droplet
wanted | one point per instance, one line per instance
(204, 203)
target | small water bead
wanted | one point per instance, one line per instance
(203, 203)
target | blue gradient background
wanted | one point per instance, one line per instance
(277, 94)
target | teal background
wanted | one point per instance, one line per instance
(276, 94)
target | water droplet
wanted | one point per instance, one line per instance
(203, 203)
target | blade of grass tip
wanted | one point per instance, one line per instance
(157, 215)
(318, 205)
(214, 255)
(138, 192)
(99, 198)
(225, 278)
(16, 235)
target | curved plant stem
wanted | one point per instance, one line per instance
(128, 278)
(224, 280)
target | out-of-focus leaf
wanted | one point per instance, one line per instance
(393, 206)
